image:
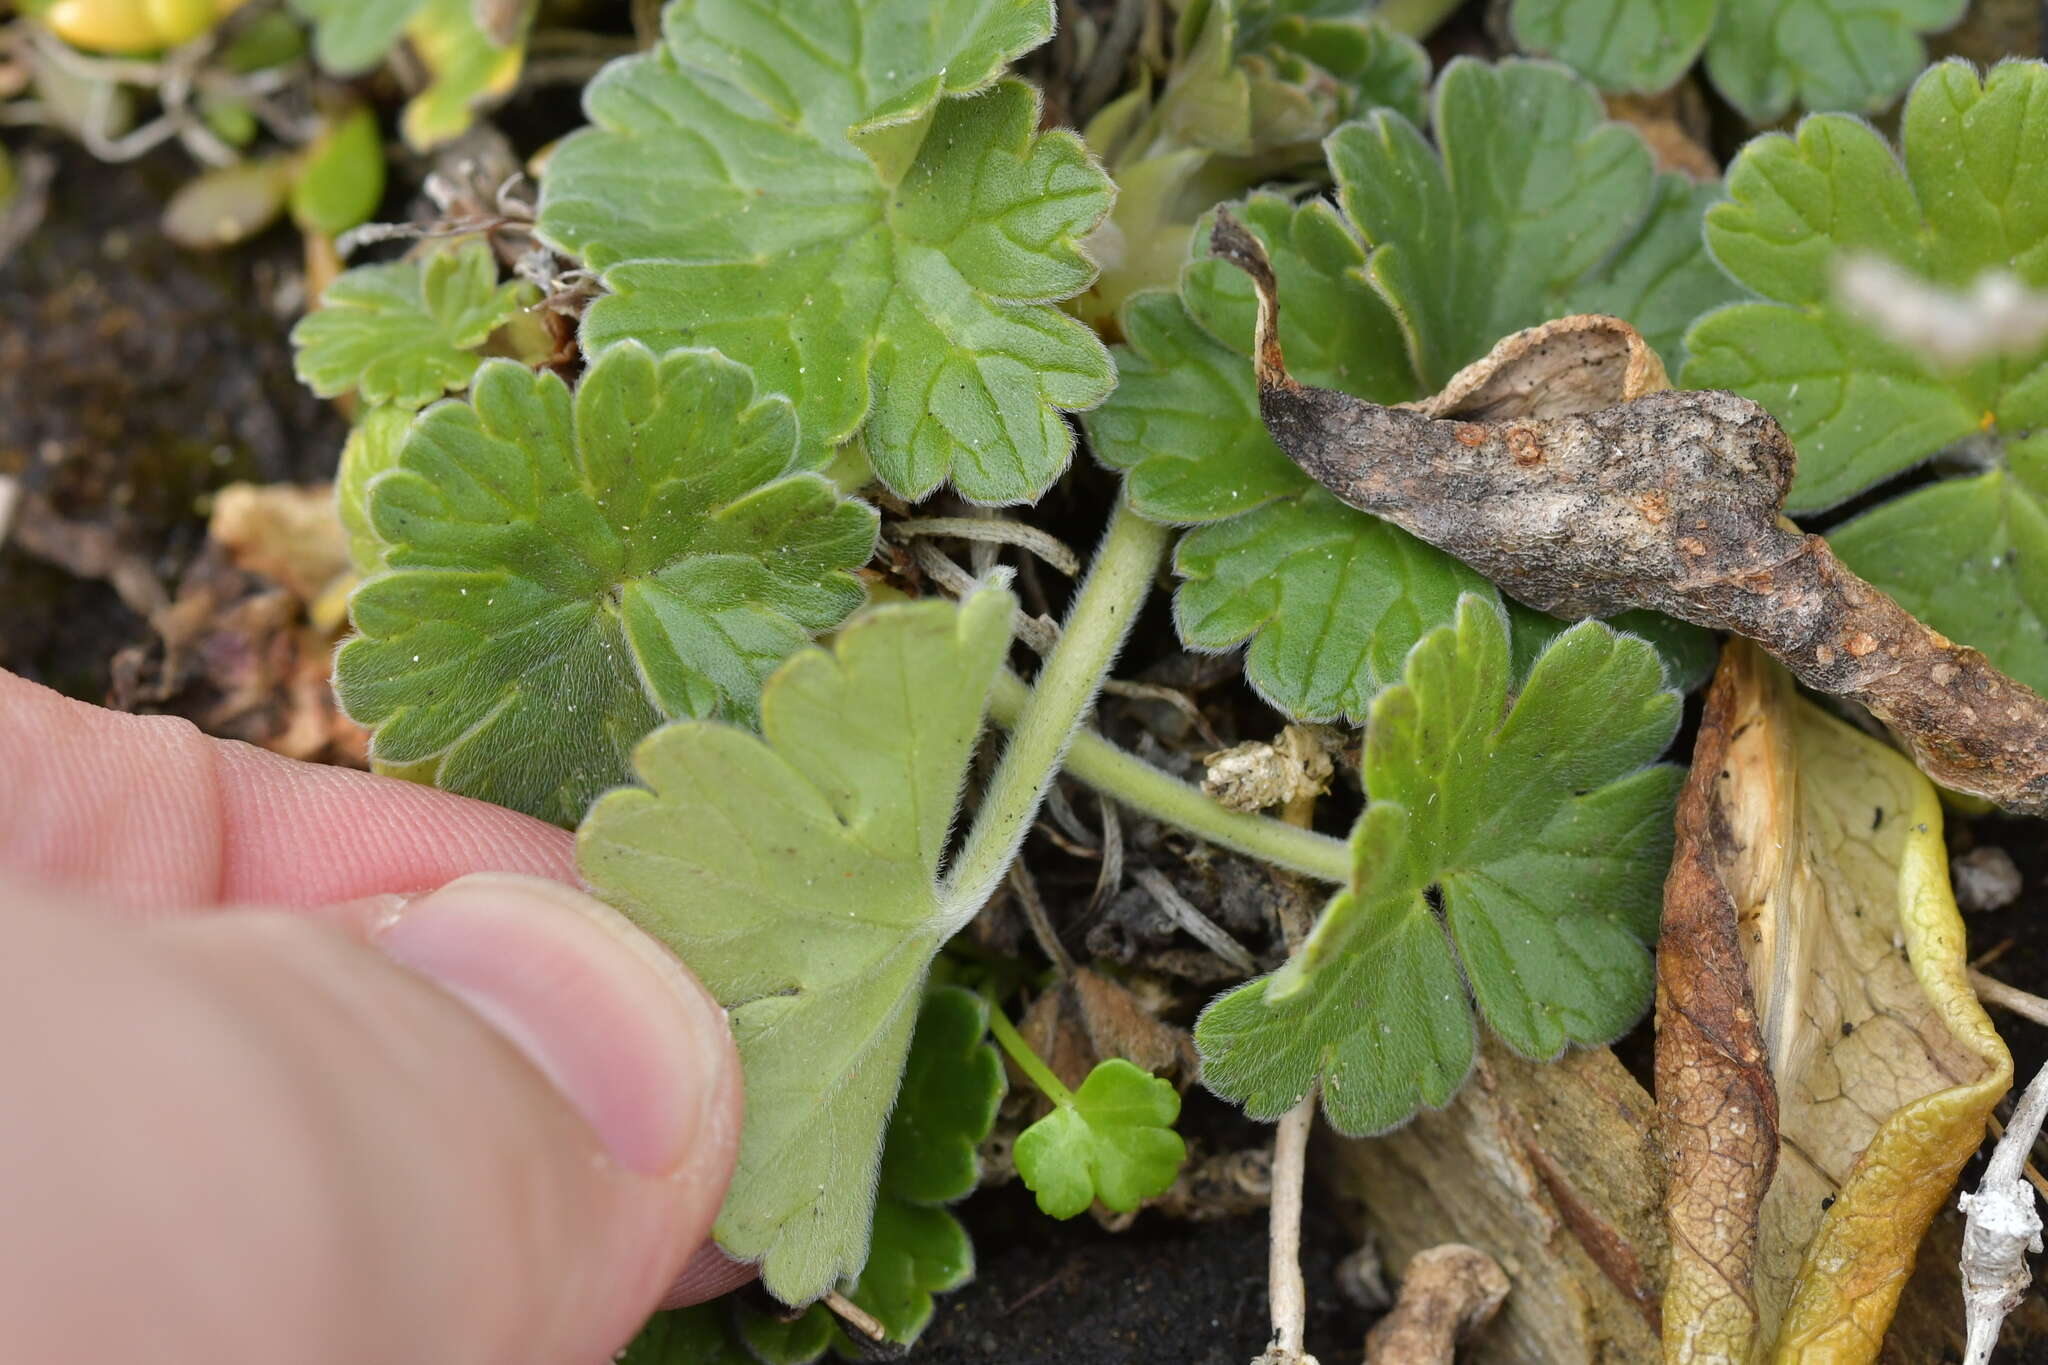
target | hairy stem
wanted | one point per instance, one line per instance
(1102, 614)
(1143, 788)
(1028, 1061)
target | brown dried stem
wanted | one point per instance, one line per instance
(1446, 1293)
(1669, 500)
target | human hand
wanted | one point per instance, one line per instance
(398, 1115)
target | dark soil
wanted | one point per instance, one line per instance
(1162, 1293)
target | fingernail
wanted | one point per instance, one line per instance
(625, 1034)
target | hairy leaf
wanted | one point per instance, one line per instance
(1331, 599)
(564, 573)
(372, 448)
(406, 332)
(794, 189)
(797, 874)
(1527, 192)
(1543, 834)
(1112, 1140)
(1617, 44)
(351, 36)
(1958, 201)
(1856, 55)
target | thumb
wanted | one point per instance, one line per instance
(489, 1125)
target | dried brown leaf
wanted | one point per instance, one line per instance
(1823, 1069)
(1668, 500)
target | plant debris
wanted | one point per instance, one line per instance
(1606, 490)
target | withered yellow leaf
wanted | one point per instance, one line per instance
(1827, 865)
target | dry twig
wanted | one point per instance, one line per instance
(2002, 1227)
(1446, 1293)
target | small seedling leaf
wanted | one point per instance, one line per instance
(1968, 556)
(796, 873)
(407, 332)
(1536, 822)
(888, 265)
(1112, 1140)
(564, 573)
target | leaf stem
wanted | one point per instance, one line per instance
(1145, 789)
(1102, 614)
(1028, 1061)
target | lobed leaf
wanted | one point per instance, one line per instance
(1544, 835)
(1766, 55)
(407, 332)
(1112, 1140)
(1617, 44)
(1958, 201)
(800, 189)
(797, 874)
(564, 573)
(1330, 599)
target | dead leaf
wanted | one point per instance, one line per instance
(1251, 776)
(1823, 1068)
(1670, 500)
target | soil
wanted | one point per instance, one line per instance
(1161, 1293)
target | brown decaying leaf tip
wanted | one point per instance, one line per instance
(1670, 500)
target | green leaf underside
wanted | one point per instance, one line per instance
(564, 573)
(796, 873)
(1114, 1142)
(1330, 599)
(894, 282)
(407, 332)
(1546, 837)
(1617, 44)
(1961, 199)
(952, 1085)
(1857, 55)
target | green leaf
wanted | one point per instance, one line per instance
(1855, 55)
(1330, 598)
(951, 1087)
(351, 36)
(1617, 44)
(701, 1335)
(341, 176)
(466, 68)
(1689, 653)
(1662, 278)
(1536, 823)
(372, 448)
(1861, 408)
(1111, 1140)
(563, 574)
(895, 287)
(774, 1340)
(1531, 190)
(407, 332)
(797, 874)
